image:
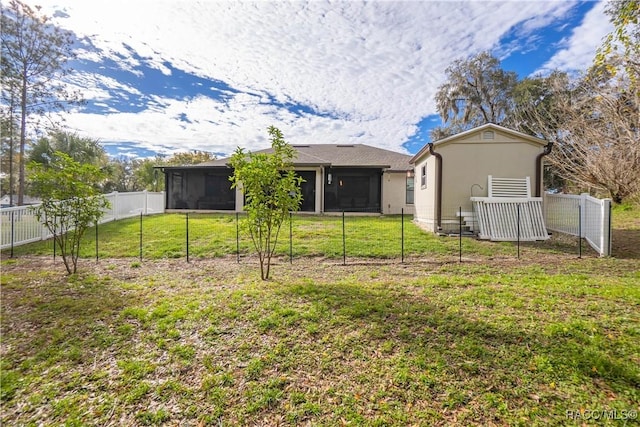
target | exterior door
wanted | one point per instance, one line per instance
(308, 189)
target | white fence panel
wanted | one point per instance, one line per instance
(155, 203)
(562, 213)
(581, 215)
(510, 219)
(19, 225)
(130, 204)
(597, 224)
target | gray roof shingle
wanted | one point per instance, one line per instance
(339, 155)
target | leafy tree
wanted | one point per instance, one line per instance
(33, 59)
(71, 202)
(148, 175)
(624, 42)
(534, 99)
(192, 157)
(80, 149)
(477, 91)
(271, 189)
(121, 175)
(127, 174)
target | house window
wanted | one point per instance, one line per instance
(410, 180)
(423, 176)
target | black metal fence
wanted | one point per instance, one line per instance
(341, 237)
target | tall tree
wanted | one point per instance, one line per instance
(534, 100)
(593, 121)
(123, 176)
(148, 175)
(34, 57)
(271, 189)
(477, 91)
(192, 157)
(81, 149)
(7, 156)
(594, 124)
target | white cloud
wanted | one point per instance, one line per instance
(578, 50)
(371, 68)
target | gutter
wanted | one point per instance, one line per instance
(438, 157)
(547, 151)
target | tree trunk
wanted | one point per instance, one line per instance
(23, 138)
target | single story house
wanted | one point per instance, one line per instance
(451, 171)
(337, 178)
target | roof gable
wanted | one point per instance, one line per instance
(471, 133)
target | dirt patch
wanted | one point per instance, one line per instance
(625, 244)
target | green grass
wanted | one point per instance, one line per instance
(492, 340)
(426, 343)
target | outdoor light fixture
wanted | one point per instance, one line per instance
(410, 173)
(329, 178)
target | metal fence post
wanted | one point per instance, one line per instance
(187, 220)
(608, 209)
(237, 238)
(402, 235)
(140, 236)
(518, 230)
(460, 234)
(96, 241)
(55, 228)
(344, 243)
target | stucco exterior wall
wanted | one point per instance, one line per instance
(466, 164)
(394, 194)
(425, 195)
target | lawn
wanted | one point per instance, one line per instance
(493, 340)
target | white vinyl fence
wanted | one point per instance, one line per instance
(580, 215)
(19, 224)
(510, 218)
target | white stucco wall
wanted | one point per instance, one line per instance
(394, 194)
(466, 163)
(425, 195)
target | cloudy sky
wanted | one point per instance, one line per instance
(162, 76)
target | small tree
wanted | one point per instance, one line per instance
(271, 189)
(70, 202)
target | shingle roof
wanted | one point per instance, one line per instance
(339, 155)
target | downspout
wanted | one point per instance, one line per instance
(438, 157)
(547, 151)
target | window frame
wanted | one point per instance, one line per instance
(410, 178)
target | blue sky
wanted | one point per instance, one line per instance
(166, 76)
